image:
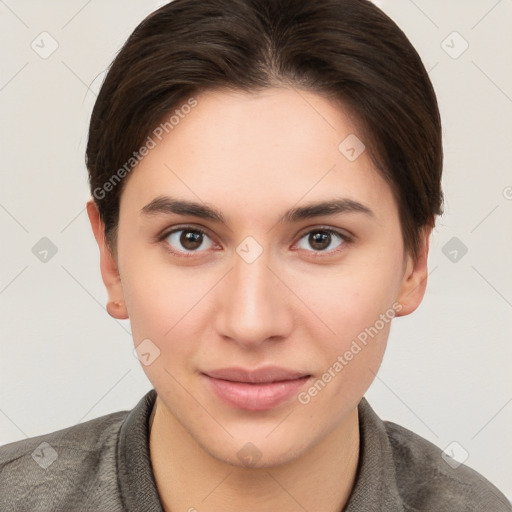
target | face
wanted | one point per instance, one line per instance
(254, 304)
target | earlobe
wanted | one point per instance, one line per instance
(414, 281)
(116, 306)
(117, 310)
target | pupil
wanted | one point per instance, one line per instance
(319, 240)
(191, 239)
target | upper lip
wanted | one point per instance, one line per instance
(259, 375)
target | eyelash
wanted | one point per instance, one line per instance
(346, 239)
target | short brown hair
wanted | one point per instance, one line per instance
(346, 50)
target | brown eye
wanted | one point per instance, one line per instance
(191, 240)
(186, 239)
(321, 240)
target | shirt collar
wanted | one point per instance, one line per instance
(375, 488)
(134, 470)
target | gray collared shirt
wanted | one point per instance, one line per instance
(104, 465)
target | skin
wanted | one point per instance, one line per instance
(253, 157)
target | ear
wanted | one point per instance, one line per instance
(414, 281)
(116, 306)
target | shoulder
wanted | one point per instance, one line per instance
(56, 470)
(427, 481)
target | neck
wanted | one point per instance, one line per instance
(190, 479)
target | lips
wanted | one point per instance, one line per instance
(255, 390)
(262, 375)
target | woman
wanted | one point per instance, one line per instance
(265, 179)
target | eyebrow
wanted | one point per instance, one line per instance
(169, 205)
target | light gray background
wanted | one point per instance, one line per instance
(446, 374)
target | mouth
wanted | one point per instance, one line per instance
(255, 390)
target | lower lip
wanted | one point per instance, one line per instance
(256, 397)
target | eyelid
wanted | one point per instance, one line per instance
(183, 254)
(343, 234)
(169, 231)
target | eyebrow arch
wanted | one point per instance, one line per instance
(169, 205)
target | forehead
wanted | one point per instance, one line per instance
(260, 149)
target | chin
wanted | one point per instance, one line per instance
(261, 453)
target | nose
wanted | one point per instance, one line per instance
(255, 305)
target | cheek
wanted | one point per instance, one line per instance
(159, 309)
(165, 305)
(347, 302)
(159, 304)
(358, 303)
(349, 359)
(157, 293)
